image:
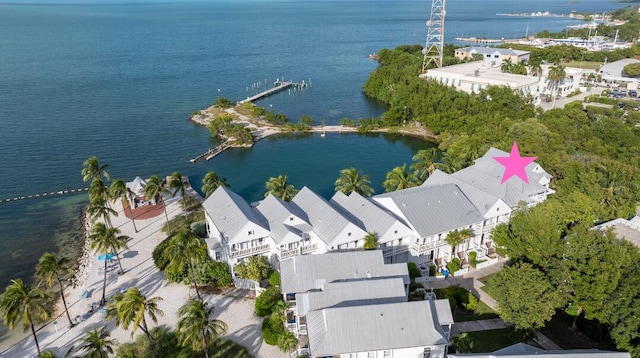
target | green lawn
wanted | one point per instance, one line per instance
(585, 64)
(482, 312)
(489, 341)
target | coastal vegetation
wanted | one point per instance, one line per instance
(280, 188)
(594, 158)
(353, 180)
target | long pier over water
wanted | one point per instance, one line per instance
(44, 195)
(277, 87)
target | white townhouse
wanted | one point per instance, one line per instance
(333, 228)
(432, 212)
(352, 304)
(289, 228)
(393, 234)
(411, 224)
(492, 54)
(234, 231)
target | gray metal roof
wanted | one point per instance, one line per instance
(229, 212)
(277, 213)
(365, 212)
(326, 220)
(522, 350)
(492, 50)
(352, 293)
(482, 200)
(308, 272)
(435, 209)
(486, 174)
(442, 311)
(341, 330)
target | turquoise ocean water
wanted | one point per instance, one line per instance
(119, 80)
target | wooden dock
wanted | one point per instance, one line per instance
(277, 87)
(212, 152)
(476, 40)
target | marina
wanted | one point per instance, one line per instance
(277, 87)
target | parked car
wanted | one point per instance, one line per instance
(633, 93)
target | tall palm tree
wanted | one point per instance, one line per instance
(112, 309)
(535, 67)
(370, 241)
(23, 303)
(49, 269)
(103, 240)
(287, 342)
(93, 170)
(179, 185)
(99, 202)
(352, 179)
(119, 190)
(556, 77)
(506, 66)
(186, 249)
(133, 309)
(211, 182)
(96, 343)
(424, 163)
(398, 178)
(197, 328)
(280, 188)
(455, 237)
(519, 69)
(152, 190)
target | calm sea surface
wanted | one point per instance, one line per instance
(119, 80)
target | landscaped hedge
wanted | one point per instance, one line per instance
(272, 329)
(266, 302)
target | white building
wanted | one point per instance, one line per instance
(492, 55)
(352, 304)
(411, 224)
(472, 77)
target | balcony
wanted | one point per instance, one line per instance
(309, 248)
(285, 254)
(250, 251)
(422, 248)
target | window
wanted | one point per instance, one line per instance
(399, 241)
(395, 232)
(348, 234)
(371, 355)
(387, 354)
(251, 232)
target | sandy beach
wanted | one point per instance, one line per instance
(140, 272)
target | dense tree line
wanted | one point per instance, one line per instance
(593, 156)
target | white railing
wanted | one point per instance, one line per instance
(250, 251)
(308, 248)
(461, 271)
(424, 279)
(285, 254)
(421, 248)
(484, 264)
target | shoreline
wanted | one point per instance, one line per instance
(261, 129)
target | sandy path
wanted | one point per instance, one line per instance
(244, 326)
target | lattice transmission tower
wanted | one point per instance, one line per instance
(435, 36)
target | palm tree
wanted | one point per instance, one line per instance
(49, 269)
(455, 237)
(119, 190)
(280, 188)
(112, 309)
(99, 202)
(535, 67)
(93, 170)
(287, 342)
(519, 69)
(351, 180)
(424, 163)
(506, 66)
(103, 240)
(197, 327)
(133, 309)
(186, 249)
(556, 77)
(179, 185)
(23, 303)
(370, 241)
(96, 343)
(398, 178)
(211, 182)
(152, 190)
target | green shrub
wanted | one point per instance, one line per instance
(266, 302)
(472, 258)
(274, 278)
(222, 102)
(211, 271)
(454, 265)
(272, 329)
(159, 259)
(472, 302)
(256, 268)
(432, 270)
(414, 271)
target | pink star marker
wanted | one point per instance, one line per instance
(514, 164)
